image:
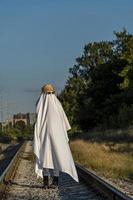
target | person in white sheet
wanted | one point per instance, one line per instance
(51, 145)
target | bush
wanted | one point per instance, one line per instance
(125, 116)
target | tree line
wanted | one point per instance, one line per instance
(99, 90)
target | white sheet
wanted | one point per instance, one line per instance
(51, 145)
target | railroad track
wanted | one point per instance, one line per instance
(103, 186)
(7, 155)
(10, 168)
(19, 181)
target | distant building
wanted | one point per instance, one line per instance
(31, 118)
(10, 121)
(4, 124)
(28, 118)
(20, 117)
(7, 122)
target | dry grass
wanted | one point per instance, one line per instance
(104, 158)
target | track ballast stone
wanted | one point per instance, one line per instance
(26, 186)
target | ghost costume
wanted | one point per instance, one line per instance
(51, 145)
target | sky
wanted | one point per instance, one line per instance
(40, 40)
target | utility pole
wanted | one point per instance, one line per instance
(1, 106)
(7, 116)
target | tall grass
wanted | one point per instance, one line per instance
(103, 159)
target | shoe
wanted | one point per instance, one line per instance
(54, 183)
(45, 182)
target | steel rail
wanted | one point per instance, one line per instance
(102, 185)
(9, 171)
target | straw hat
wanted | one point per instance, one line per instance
(48, 88)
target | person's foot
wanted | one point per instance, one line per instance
(54, 183)
(52, 186)
(45, 187)
(45, 182)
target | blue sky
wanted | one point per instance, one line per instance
(40, 39)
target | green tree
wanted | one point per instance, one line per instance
(100, 83)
